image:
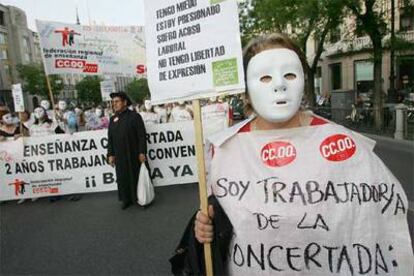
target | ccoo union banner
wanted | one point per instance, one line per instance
(92, 50)
(67, 164)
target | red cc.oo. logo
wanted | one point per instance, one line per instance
(278, 153)
(338, 147)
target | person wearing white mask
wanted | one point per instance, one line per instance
(181, 113)
(46, 105)
(162, 113)
(148, 114)
(61, 116)
(8, 127)
(290, 190)
(43, 125)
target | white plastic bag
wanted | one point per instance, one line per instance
(145, 190)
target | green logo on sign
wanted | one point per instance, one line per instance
(225, 72)
(213, 2)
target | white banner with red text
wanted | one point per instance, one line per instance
(92, 50)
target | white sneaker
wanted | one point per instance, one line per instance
(34, 199)
(21, 201)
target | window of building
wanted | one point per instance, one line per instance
(364, 76)
(7, 74)
(2, 21)
(405, 72)
(7, 70)
(407, 19)
(3, 54)
(336, 76)
(26, 44)
(3, 38)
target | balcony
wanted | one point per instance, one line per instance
(407, 36)
(360, 43)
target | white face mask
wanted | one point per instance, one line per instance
(45, 104)
(62, 105)
(39, 113)
(147, 105)
(7, 119)
(275, 82)
(98, 112)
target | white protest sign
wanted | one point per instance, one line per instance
(55, 165)
(107, 87)
(65, 164)
(193, 49)
(310, 200)
(92, 50)
(171, 153)
(18, 99)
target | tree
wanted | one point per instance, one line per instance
(305, 19)
(34, 80)
(138, 90)
(370, 19)
(89, 90)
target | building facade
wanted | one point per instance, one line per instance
(18, 45)
(346, 63)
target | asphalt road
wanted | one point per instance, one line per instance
(94, 236)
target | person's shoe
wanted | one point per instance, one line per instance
(74, 197)
(21, 201)
(53, 199)
(125, 205)
(34, 199)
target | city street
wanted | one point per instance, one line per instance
(101, 95)
(95, 237)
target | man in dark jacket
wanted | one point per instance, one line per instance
(126, 147)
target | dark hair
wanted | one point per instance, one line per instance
(267, 42)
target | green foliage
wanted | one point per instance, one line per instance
(34, 80)
(370, 19)
(302, 19)
(89, 90)
(400, 44)
(138, 90)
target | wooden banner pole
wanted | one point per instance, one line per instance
(52, 100)
(199, 143)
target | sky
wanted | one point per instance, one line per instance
(99, 12)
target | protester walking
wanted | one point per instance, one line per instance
(281, 158)
(9, 128)
(127, 147)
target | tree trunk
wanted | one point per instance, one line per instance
(378, 94)
(310, 89)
